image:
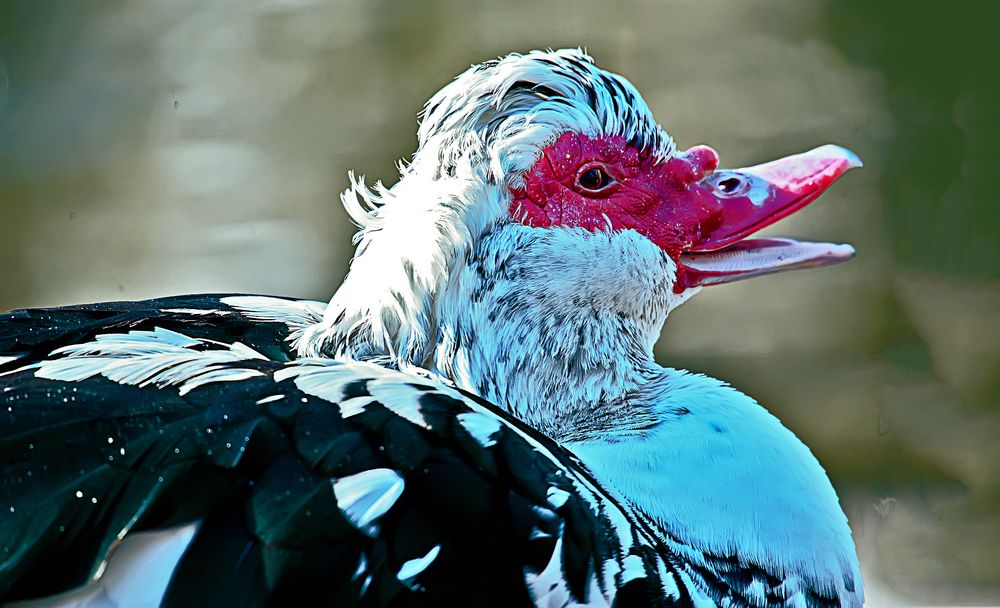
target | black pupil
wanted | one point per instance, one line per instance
(594, 179)
(729, 184)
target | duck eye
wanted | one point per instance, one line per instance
(594, 179)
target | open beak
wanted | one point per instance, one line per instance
(747, 200)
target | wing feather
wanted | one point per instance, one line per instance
(308, 479)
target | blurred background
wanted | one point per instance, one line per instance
(155, 148)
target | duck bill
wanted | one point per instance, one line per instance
(752, 198)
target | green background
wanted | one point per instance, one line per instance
(152, 148)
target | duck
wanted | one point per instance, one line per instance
(476, 417)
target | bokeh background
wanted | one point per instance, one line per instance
(153, 148)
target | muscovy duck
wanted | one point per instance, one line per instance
(476, 417)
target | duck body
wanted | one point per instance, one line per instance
(476, 416)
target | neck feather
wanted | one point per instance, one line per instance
(412, 239)
(555, 325)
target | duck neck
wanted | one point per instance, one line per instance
(556, 326)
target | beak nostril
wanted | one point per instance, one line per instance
(730, 185)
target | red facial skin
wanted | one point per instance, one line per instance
(683, 205)
(553, 196)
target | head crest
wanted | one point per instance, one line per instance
(520, 103)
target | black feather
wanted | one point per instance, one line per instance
(254, 461)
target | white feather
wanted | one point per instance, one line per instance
(159, 357)
(365, 497)
(481, 427)
(412, 568)
(135, 576)
(297, 315)
(7, 359)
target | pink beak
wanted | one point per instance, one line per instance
(758, 196)
(745, 201)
